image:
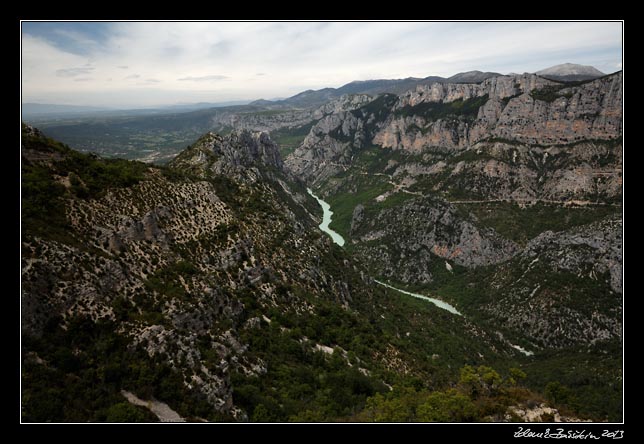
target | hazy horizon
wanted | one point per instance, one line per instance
(146, 64)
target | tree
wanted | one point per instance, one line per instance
(557, 393)
(396, 406)
(449, 406)
(481, 381)
(261, 414)
(516, 375)
(124, 412)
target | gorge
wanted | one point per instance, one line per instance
(208, 284)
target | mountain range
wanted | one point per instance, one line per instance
(205, 285)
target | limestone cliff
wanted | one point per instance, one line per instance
(527, 109)
(239, 154)
(523, 136)
(540, 292)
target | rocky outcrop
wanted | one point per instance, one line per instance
(347, 102)
(522, 109)
(271, 120)
(529, 139)
(585, 172)
(539, 293)
(537, 413)
(590, 250)
(328, 148)
(569, 114)
(589, 111)
(169, 268)
(498, 87)
(431, 229)
(240, 154)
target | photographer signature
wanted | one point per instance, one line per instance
(570, 434)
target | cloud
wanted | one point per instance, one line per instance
(83, 79)
(152, 81)
(220, 49)
(183, 56)
(214, 77)
(73, 72)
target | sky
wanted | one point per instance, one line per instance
(145, 64)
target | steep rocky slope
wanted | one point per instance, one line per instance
(207, 285)
(523, 112)
(564, 289)
(435, 234)
(521, 139)
(503, 197)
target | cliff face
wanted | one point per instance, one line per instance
(499, 87)
(239, 154)
(434, 232)
(590, 111)
(540, 292)
(525, 109)
(514, 110)
(508, 181)
(509, 137)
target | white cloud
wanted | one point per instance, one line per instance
(73, 72)
(209, 78)
(182, 57)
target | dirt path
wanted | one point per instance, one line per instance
(161, 409)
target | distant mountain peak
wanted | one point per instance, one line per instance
(471, 77)
(570, 72)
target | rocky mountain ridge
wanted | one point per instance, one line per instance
(204, 286)
(514, 125)
(207, 285)
(415, 181)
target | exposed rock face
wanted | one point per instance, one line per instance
(431, 229)
(523, 109)
(245, 148)
(601, 246)
(357, 219)
(585, 171)
(266, 121)
(238, 154)
(346, 102)
(172, 265)
(589, 111)
(538, 413)
(538, 292)
(499, 87)
(328, 147)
